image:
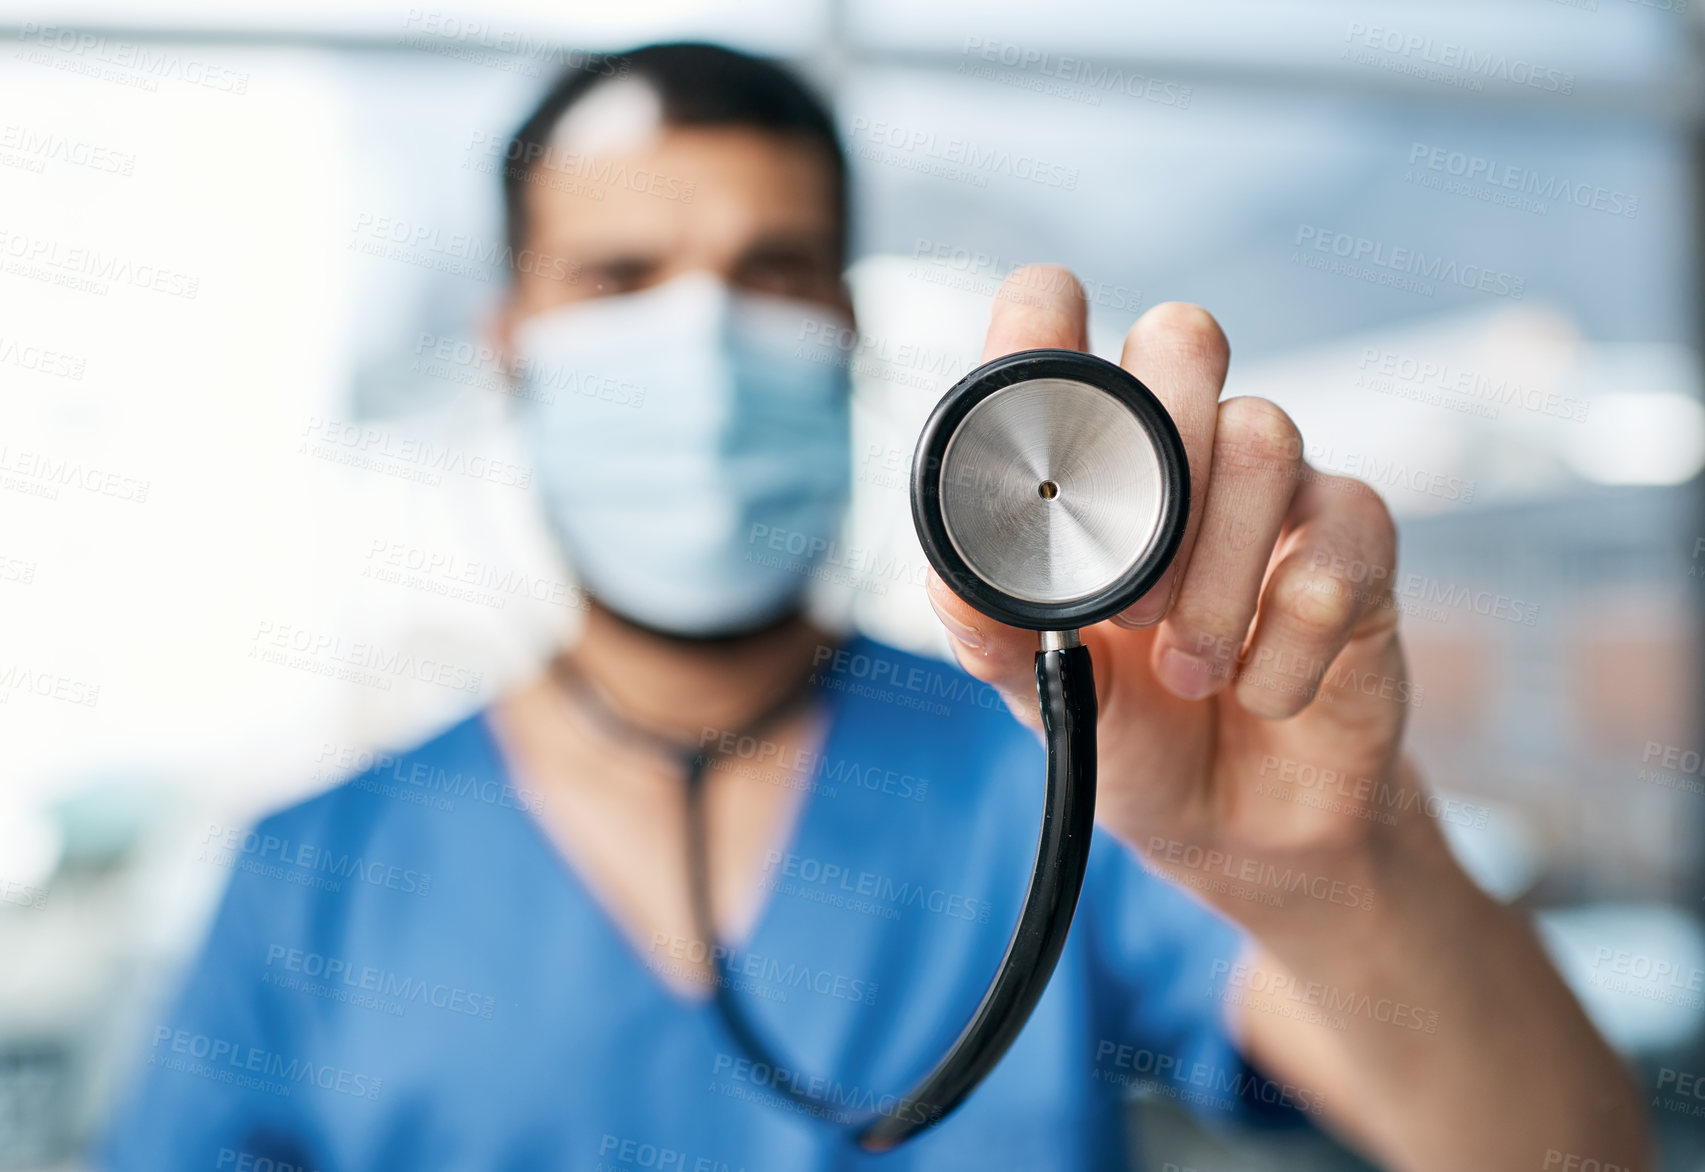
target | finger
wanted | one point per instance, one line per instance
(1037, 306)
(992, 652)
(1257, 453)
(1179, 353)
(1330, 583)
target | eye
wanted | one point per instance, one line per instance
(789, 270)
(619, 275)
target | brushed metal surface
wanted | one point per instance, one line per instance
(1050, 490)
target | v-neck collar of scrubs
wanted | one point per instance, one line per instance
(556, 860)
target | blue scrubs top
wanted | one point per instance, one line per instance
(405, 974)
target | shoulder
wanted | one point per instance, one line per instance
(380, 834)
(453, 767)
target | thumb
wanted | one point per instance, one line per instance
(992, 652)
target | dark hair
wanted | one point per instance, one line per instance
(699, 85)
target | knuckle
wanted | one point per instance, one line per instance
(1315, 604)
(1380, 527)
(1257, 433)
(1186, 329)
(1268, 699)
(1209, 633)
(1359, 492)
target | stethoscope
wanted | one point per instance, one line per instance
(1050, 491)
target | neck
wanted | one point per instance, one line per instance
(681, 687)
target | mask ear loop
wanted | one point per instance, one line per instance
(1065, 683)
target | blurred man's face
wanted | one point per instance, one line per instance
(754, 208)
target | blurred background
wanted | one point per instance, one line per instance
(251, 536)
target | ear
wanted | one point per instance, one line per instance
(497, 333)
(845, 303)
(497, 330)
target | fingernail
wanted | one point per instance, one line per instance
(966, 634)
(1146, 613)
(1186, 676)
(1150, 608)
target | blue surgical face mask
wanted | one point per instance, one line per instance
(692, 445)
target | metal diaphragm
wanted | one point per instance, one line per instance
(1050, 489)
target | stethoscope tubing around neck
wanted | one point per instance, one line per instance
(1065, 683)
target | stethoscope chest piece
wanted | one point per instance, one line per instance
(1050, 489)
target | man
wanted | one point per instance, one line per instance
(507, 987)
